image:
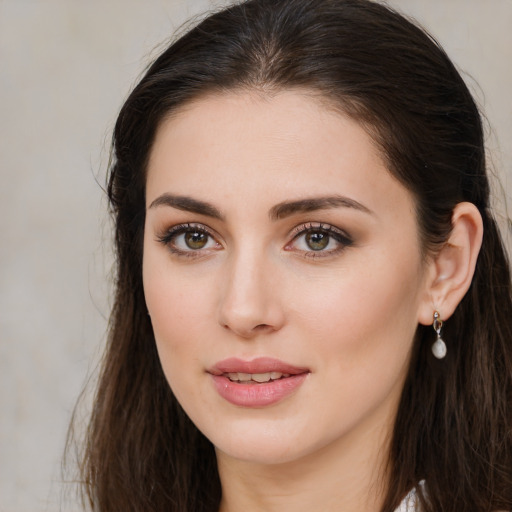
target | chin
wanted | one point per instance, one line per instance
(265, 444)
(263, 453)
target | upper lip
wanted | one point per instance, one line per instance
(258, 365)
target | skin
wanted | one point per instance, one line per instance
(347, 313)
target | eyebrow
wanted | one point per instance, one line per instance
(187, 204)
(279, 211)
(287, 208)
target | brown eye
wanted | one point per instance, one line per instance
(196, 239)
(321, 240)
(189, 240)
(317, 240)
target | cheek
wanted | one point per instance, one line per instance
(363, 314)
(359, 333)
(178, 307)
(178, 316)
(178, 312)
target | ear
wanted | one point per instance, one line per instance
(451, 270)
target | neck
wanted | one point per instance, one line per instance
(347, 475)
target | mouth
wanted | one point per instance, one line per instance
(266, 368)
(257, 383)
(255, 378)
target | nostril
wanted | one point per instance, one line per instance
(263, 327)
(260, 328)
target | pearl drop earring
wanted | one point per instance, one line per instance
(439, 346)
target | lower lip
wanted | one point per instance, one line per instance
(256, 394)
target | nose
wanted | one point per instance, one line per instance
(250, 303)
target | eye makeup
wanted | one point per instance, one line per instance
(189, 240)
(317, 239)
(310, 239)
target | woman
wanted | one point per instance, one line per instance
(313, 302)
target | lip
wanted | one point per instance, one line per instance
(259, 365)
(252, 394)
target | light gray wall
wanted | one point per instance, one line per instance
(65, 66)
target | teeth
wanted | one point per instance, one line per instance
(256, 377)
(261, 377)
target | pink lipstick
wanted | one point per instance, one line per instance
(257, 383)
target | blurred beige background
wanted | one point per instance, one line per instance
(65, 67)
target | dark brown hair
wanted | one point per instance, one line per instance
(454, 424)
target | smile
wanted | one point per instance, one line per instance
(256, 378)
(257, 383)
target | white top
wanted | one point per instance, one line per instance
(410, 502)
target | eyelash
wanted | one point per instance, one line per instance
(169, 239)
(341, 238)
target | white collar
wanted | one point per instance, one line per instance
(410, 502)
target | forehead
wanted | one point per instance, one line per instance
(268, 149)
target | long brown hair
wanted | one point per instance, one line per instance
(454, 424)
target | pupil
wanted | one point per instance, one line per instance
(195, 239)
(317, 240)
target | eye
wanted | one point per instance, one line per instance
(195, 239)
(318, 240)
(189, 240)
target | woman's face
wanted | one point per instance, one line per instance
(282, 272)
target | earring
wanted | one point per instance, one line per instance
(439, 346)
